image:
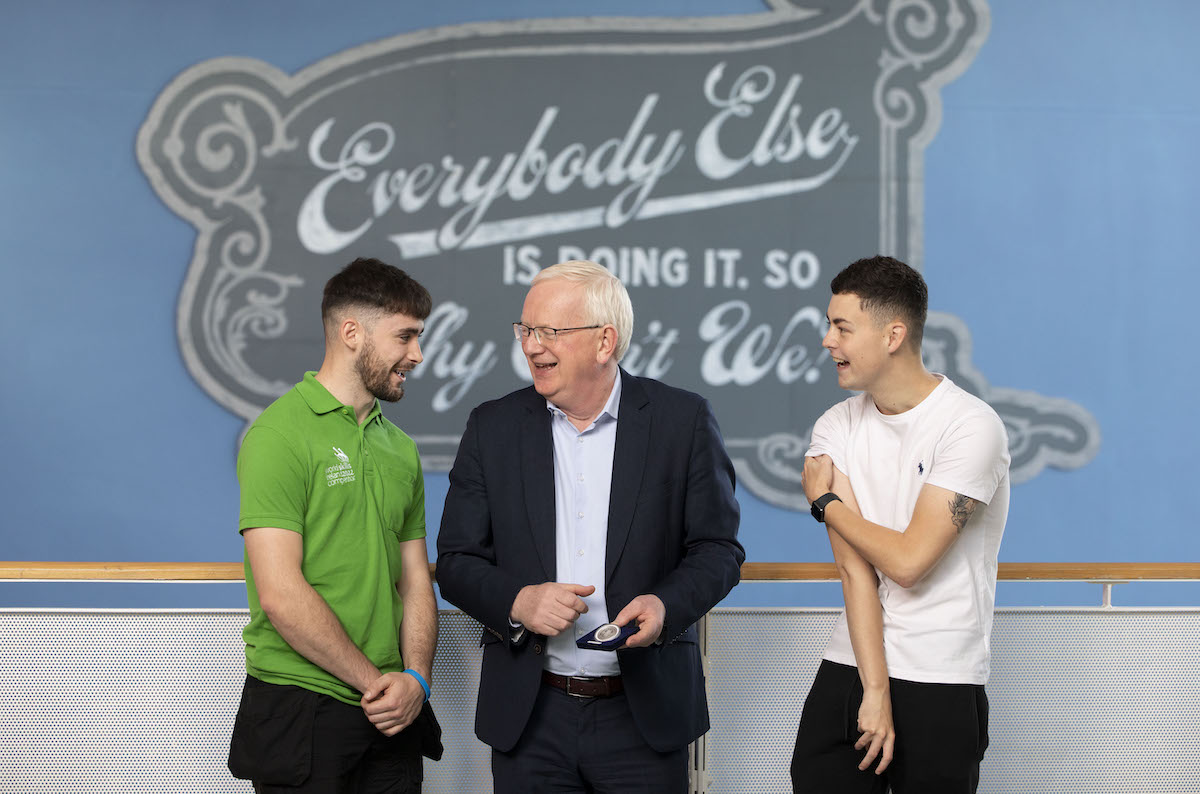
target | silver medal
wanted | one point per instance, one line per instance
(607, 632)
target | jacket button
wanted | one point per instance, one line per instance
(537, 648)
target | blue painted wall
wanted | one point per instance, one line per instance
(1061, 193)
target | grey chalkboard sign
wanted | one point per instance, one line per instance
(725, 168)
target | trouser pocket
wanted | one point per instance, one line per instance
(981, 712)
(273, 734)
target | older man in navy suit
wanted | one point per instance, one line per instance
(592, 497)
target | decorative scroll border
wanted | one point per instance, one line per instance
(231, 283)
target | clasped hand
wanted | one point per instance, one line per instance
(550, 608)
(393, 702)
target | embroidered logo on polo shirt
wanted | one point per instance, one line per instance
(340, 472)
(921, 467)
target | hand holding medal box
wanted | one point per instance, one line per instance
(608, 637)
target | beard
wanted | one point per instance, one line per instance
(376, 375)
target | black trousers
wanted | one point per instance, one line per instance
(941, 736)
(289, 739)
(574, 744)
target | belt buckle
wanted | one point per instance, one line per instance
(571, 679)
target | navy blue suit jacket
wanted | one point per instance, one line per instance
(672, 531)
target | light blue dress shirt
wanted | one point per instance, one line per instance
(583, 468)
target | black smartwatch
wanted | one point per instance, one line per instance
(820, 503)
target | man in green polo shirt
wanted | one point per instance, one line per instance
(343, 621)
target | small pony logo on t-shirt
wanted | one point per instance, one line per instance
(920, 467)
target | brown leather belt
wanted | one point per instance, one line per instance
(585, 687)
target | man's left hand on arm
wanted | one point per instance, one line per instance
(393, 702)
(649, 613)
(817, 477)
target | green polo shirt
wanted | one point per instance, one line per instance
(355, 493)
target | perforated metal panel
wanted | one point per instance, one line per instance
(144, 701)
(1094, 701)
(1082, 701)
(118, 701)
(761, 665)
(467, 764)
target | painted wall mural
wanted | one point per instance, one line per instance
(725, 168)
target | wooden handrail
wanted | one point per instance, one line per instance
(1008, 571)
(124, 571)
(751, 571)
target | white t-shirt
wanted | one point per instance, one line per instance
(939, 630)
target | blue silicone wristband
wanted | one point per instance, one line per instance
(420, 680)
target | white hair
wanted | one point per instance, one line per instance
(605, 299)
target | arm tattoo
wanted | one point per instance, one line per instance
(961, 509)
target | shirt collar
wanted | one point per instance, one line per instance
(611, 406)
(320, 401)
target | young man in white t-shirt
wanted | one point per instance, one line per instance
(910, 478)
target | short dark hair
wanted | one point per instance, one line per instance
(375, 285)
(888, 288)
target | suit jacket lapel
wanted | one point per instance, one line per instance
(629, 459)
(537, 476)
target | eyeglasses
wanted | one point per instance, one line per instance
(544, 334)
